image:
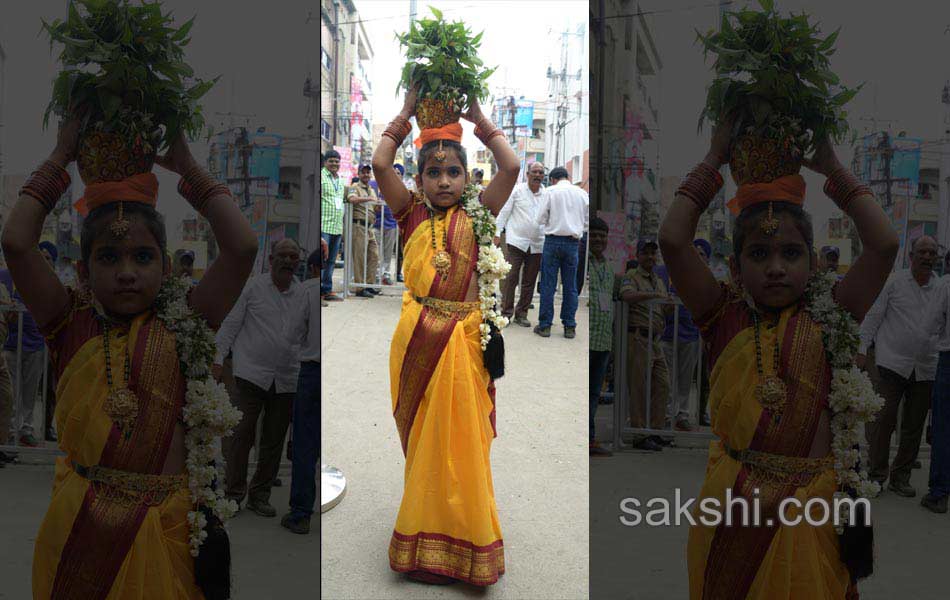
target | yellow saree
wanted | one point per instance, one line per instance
(443, 403)
(765, 563)
(98, 540)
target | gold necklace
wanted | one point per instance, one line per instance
(441, 260)
(770, 390)
(121, 404)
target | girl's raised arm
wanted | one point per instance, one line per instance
(42, 292)
(222, 284)
(499, 189)
(391, 187)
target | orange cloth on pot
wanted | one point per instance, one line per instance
(789, 188)
(141, 188)
(452, 131)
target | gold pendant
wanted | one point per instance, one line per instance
(122, 406)
(442, 262)
(771, 394)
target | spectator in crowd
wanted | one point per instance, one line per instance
(390, 234)
(365, 250)
(331, 218)
(937, 322)
(185, 266)
(265, 380)
(31, 361)
(564, 216)
(684, 353)
(525, 240)
(828, 258)
(7, 317)
(906, 362)
(639, 287)
(303, 337)
(581, 263)
(478, 178)
(603, 288)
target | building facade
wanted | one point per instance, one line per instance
(626, 71)
(567, 123)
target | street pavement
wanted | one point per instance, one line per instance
(649, 563)
(539, 460)
(267, 560)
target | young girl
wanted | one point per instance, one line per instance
(772, 379)
(119, 524)
(443, 396)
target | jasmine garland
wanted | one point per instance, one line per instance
(208, 413)
(491, 266)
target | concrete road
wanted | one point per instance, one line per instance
(268, 561)
(539, 460)
(649, 563)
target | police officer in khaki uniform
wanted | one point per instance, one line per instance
(640, 286)
(364, 246)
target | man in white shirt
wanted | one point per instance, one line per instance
(303, 336)
(265, 379)
(524, 240)
(906, 363)
(564, 216)
(937, 322)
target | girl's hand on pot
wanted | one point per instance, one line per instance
(178, 159)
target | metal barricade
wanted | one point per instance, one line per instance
(348, 263)
(16, 379)
(621, 385)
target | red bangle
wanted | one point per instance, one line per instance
(701, 185)
(47, 184)
(843, 187)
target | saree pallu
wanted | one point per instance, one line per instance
(765, 563)
(99, 541)
(443, 403)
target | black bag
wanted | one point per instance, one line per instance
(856, 545)
(213, 563)
(494, 354)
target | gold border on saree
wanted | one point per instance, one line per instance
(779, 467)
(449, 308)
(136, 488)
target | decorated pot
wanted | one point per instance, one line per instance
(432, 113)
(105, 156)
(756, 159)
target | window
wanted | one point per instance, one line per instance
(325, 59)
(324, 130)
(628, 33)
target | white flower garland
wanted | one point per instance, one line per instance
(852, 399)
(208, 412)
(491, 266)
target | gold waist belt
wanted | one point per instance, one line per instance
(781, 468)
(450, 308)
(131, 488)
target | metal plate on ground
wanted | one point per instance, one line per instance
(332, 487)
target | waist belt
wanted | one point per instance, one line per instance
(362, 222)
(644, 331)
(450, 308)
(780, 468)
(133, 488)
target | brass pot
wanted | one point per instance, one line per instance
(432, 113)
(756, 159)
(105, 156)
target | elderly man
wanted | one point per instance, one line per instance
(365, 250)
(524, 239)
(265, 379)
(331, 218)
(906, 363)
(639, 287)
(564, 217)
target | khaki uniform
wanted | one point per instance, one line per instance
(639, 343)
(364, 245)
(6, 387)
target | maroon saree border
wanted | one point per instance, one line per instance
(445, 555)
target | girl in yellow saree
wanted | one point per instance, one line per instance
(443, 397)
(770, 377)
(117, 526)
